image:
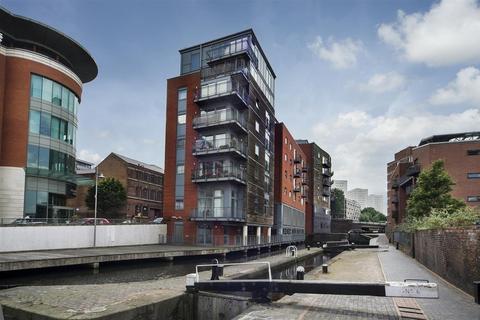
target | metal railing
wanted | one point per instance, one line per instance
(221, 88)
(219, 173)
(208, 239)
(232, 48)
(203, 146)
(220, 117)
(221, 70)
(72, 221)
(213, 213)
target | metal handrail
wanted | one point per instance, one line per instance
(202, 145)
(222, 172)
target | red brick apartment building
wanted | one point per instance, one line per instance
(219, 144)
(42, 72)
(461, 155)
(143, 183)
(291, 185)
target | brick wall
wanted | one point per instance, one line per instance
(452, 253)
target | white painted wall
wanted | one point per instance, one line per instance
(12, 191)
(25, 238)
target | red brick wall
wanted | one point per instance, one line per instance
(282, 182)
(15, 82)
(452, 253)
(192, 83)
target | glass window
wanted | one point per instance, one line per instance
(30, 202)
(195, 61)
(182, 94)
(32, 157)
(57, 94)
(45, 124)
(55, 128)
(34, 122)
(257, 126)
(43, 158)
(179, 204)
(180, 169)
(70, 133)
(71, 101)
(182, 119)
(473, 198)
(47, 89)
(65, 93)
(36, 87)
(473, 175)
(473, 152)
(257, 150)
(63, 130)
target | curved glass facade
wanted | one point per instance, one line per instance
(50, 167)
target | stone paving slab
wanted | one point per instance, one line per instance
(93, 301)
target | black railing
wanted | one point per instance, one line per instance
(218, 213)
(223, 88)
(203, 146)
(219, 173)
(232, 48)
(413, 170)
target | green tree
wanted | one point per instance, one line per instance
(111, 198)
(369, 214)
(337, 203)
(432, 191)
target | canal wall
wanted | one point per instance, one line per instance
(29, 238)
(452, 253)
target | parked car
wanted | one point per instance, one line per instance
(92, 221)
(30, 221)
(157, 220)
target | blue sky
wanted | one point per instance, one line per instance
(363, 79)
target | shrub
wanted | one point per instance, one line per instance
(442, 218)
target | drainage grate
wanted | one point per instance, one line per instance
(408, 308)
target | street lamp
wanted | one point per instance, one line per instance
(101, 176)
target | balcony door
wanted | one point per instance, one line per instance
(218, 207)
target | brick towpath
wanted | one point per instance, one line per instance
(368, 265)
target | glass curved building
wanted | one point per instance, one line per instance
(42, 72)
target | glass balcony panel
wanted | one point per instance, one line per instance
(209, 172)
(219, 117)
(219, 145)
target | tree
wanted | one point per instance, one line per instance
(111, 198)
(369, 214)
(432, 191)
(337, 203)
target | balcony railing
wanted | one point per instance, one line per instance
(220, 117)
(305, 169)
(297, 159)
(327, 173)
(223, 88)
(326, 192)
(326, 182)
(204, 147)
(326, 163)
(230, 49)
(218, 214)
(208, 239)
(220, 174)
(297, 173)
(413, 170)
(222, 70)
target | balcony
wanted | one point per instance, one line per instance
(224, 89)
(230, 49)
(326, 163)
(297, 159)
(297, 189)
(220, 146)
(395, 183)
(413, 170)
(218, 214)
(326, 192)
(235, 174)
(305, 169)
(304, 181)
(235, 69)
(220, 118)
(326, 182)
(297, 173)
(327, 173)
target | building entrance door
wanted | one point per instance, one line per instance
(204, 235)
(178, 232)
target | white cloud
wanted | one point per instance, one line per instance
(384, 82)
(445, 35)
(89, 156)
(361, 145)
(464, 89)
(342, 54)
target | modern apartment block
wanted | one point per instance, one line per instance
(319, 178)
(359, 195)
(219, 143)
(42, 72)
(291, 185)
(376, 201)
(461, 155)
(341, 185)
(352, 210)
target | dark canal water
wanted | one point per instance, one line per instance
(144, 270)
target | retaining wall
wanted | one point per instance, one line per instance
(27, 238)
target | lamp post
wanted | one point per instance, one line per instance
(96, 201)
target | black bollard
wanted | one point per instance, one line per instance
(300, 273)
(324, 268)
(318, 244)
(308, 247)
